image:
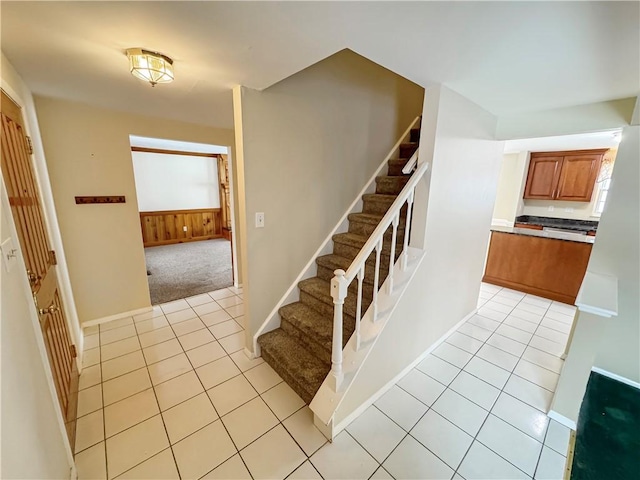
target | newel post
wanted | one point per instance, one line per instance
(338, 293)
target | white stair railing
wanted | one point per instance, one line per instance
(341, 281)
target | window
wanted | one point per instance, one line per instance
(603, 182)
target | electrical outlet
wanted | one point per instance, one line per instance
(260, 220)
(551, 208)
(184, 229)
(568, 209)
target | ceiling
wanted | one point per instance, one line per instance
(508, 57)
(582, 141)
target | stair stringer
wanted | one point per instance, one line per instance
(327, 401)
(273, 320)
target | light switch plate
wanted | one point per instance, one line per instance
(551, 208)
(9, 254)
(260, 220)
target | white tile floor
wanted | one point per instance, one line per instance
(170, 394)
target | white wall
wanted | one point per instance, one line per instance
(459, 199)
(309, 144)
(175, 182)
(566, 121)
(612, 344)
(88, 152)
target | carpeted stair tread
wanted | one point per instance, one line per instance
(373, 219)
(391, 185)
(303, 371)
(332, 262)
(358, 241)
(408, 149)
(395, 166)
(414, 135)
(313, 328)
(320, 289)
(377, 203)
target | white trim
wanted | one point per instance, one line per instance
(615, 376)
(501, 222)
(234, 240)
(373, 398)
(561, 419)
(598, 295)
(292, 294)
(116, 316)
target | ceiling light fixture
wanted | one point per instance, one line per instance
(152, 67)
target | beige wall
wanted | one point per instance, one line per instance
(88, 153)
(310, 143)
(460, 197)
(510, 186)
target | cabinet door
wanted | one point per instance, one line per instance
(578, 177)
(542, 178)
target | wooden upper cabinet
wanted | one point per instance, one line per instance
(543, 176)
(568, 176)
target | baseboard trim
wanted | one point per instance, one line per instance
(116, 316)
(374, 398)
(566, 421)
(615, 376)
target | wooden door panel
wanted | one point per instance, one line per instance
(577, 177)
(542, 178)
(22, 189)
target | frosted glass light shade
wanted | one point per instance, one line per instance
(150, 66)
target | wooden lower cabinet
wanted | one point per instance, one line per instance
(546, 267)
(167, 227)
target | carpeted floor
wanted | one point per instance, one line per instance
(186, 269)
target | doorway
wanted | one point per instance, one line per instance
(39, 259)
(184, 197)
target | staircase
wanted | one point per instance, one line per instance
(300, 350)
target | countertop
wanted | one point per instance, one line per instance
(562, 223)
(571, 237)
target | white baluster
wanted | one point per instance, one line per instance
(392, 258)
(376, 280)
(338, 293)
(359, 306)
(407, 226)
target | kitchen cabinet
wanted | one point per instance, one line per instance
(568, 176)
(546, 267)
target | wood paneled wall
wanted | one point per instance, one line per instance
(167, 227)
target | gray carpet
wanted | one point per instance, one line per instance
(186, 269)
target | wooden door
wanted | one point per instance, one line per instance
(39, 259)
(542, 179)
(578, 176)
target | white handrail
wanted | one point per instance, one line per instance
(273, 319)
(341, 281)
(395, 207)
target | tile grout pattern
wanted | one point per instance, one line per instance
(235, 418)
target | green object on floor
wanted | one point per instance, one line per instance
(608, 434)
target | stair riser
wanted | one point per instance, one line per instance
(350, 252)
(348, 310)
(379, 207)
(395, 168)
(366, 229)
(291, 381)
(316, 347)
(327, 274)
(415, 135)
(406, 151)
(391, 185)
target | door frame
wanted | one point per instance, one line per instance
(51, 225)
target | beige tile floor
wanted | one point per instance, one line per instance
(171, 394)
